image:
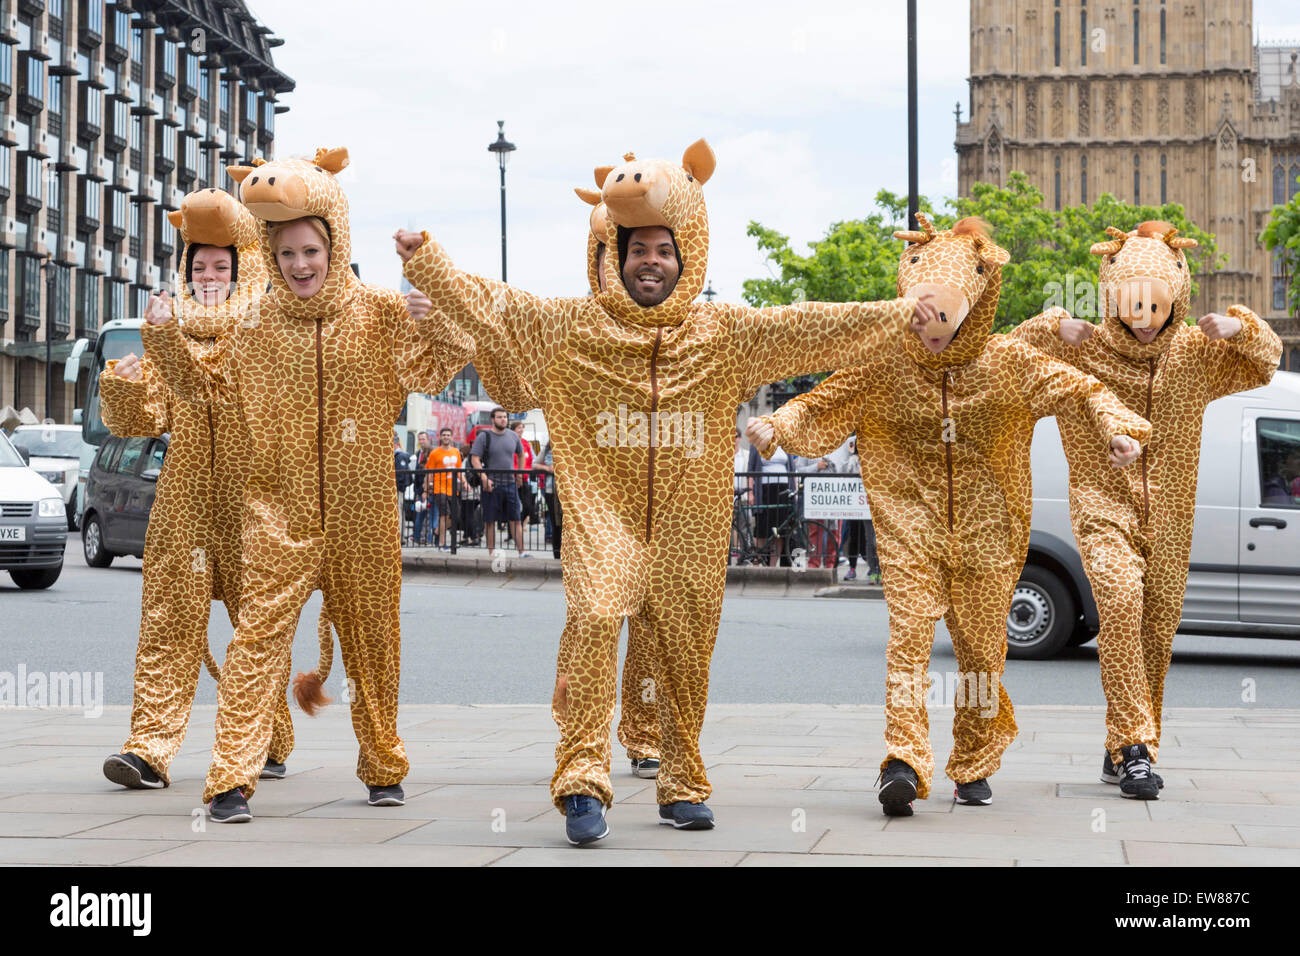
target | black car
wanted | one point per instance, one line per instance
(120, 490)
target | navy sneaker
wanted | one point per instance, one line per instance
(898, 783)
(1114, 772)
(273, 771)
(229, 807)
(647, 767)
(684, 815)
(977, 793)
(1136, 781)
(391, 796)
(132, 772)
(584, 820)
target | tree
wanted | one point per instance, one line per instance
(1050, 264)
(1282, 237)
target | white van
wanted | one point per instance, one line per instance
(1244, 577)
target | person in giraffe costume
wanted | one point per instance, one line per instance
(944, 416)
(319, 369)
(192, 554)
(1135, 530)
(639, 385)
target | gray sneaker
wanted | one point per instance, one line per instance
(646, 767)
(273, 771)
(977, 793)
(391, 796)
(132, 772)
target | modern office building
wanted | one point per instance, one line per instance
(109, 114)
(1152, 101)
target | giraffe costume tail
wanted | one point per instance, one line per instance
(309, 686)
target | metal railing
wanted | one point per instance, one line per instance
(768, 526)
(463, 529)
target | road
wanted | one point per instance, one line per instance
(479, 645)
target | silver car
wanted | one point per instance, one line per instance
(33, 522)
(1244, 574)
(55, 452)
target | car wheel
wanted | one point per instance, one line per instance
(35, 579)
(1042, 616)
(92, 543)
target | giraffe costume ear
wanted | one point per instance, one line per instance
(602, 173)
(175, 218)
(590, 196)
(239, 173)
(699, 161)
(1175, 241)
(1113, 245)
(991, 252)
(332, 160)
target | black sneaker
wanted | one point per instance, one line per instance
(584, 820)
(229, 807)
(898, 783)
(390, 796)
(1136, 781)
(684, 815)
(647, 767)
(977, 793)
(1114, 772)
(273, 771)
(132, 772)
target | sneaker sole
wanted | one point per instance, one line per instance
(572, 842)
(646, 774)
(896, 798)
(120, 772)
(1141, 794)
(978, 802)
(688, 825)
(387, 802)
(244, 817)
(272, 775)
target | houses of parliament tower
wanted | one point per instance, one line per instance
(1153, 101)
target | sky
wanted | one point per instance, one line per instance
(804, 105)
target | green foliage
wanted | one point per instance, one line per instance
(1283, 234)
(1050, 264)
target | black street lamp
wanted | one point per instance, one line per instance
(913, 200)
(709, 292)
(48, 276)
(503, 148)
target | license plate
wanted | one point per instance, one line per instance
(10, 533)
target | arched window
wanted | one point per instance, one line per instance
(1137, 34)
(1083, 180)
(1137, 180)
(1162, 32)
(1057, 182)
(1279, 183)
(1163, 180)
(1293, 183)
(1056, 34)
(1083, 33)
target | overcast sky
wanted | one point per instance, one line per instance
(804, 104)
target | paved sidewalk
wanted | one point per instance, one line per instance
(793, 786)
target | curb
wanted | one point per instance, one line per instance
(860, 592)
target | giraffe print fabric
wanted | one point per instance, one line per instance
(1134, 528)
(943, 441)
(641, 404)
(318, 383)
(192, 553)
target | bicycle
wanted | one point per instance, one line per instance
(811, 544)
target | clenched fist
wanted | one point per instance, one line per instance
(129, 368)
(1124, 451)
(1076, 331)
(760, 433)
(407, 242)
(159, 311)
(1216, 326)
(418, 304)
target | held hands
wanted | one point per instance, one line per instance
(407, 242)
(159, 310)
(1124, 451)
(418, 304)
(760, 434)
(1216, 326)
(926, 311)
(129, 368)
(1076, 331)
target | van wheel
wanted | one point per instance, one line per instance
(35, 579)
(1042, 616)
(92, 543)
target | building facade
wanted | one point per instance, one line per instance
(111, 112)
(1152, 101)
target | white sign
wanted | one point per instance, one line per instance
(835, 496)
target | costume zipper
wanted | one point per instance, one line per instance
(1146, 490)
(654, 409)
(320, 423)
(947, 445)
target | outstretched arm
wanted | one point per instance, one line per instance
(816, 423)
(516, 335)
(428, 350)
(1048, 332)
(780, 341)
(1242, 351)
(1056, 388)
(133, 399)
(193, 378)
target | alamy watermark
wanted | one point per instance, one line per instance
(636, 429)
(80, 690)
(951, 688)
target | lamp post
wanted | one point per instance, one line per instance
(913, 201)
(503, 148)
(49, 331)
(709, 292)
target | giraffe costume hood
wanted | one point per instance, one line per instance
(1134, 528)
(319, 382)
(192, 546)
(641, 406)
(943, 445)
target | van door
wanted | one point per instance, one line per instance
(1212, 575)
(1269, 550)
